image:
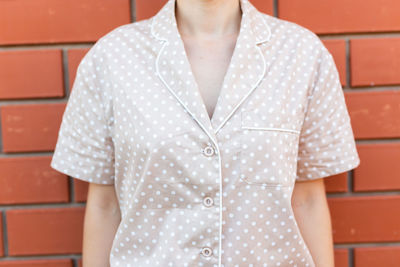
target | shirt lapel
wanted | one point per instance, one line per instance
(248, 65)
(246, 69)
(173, 67)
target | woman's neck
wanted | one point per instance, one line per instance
(205, 19)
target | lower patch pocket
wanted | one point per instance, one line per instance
(268, 154)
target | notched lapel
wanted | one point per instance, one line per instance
(174, 69)
(248, 65)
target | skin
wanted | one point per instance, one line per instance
(312, 214)
(102, 217)
(209, 29)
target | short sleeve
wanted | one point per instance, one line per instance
(84, 148)
(326, 143)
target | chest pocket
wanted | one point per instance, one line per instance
(269, 146)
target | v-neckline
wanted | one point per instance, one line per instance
(222, 84)
(245, 72)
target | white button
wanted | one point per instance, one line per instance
(208, 151)
(208, 201)
(206, 251)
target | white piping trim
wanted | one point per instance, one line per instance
(220, 210)
(166, 84)
(152, 30)
(216, 146)
(245, 97)
(271, 129)
(269, 33)
(220, 167)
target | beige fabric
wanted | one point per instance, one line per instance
(135, 119)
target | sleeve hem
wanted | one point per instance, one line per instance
(333, 170)
(67, 170)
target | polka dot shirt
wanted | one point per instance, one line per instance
(195, 190)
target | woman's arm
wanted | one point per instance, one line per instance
(313, 217)
(102, 217)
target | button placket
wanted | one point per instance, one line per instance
(209, 151)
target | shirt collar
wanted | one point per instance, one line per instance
(246, 71)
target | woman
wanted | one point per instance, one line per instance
(206, 99)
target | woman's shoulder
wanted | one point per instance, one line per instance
(127, 35)
(133, 31)
(282, 29)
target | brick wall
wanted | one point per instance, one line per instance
(41, 44)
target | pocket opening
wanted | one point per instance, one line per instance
(271, 129)
(276, 144)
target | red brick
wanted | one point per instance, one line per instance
(1, 235)
(341, 257)
(38, 263)
(336, 183)
(265, 6)
(74, 58)
(379, 167)
(55, 21)
(377, 256)
(342, 16)
(145, 9)
(21, 78)
(81, 190)
(32, 127)
(365, 219)
(374, 114)
(375, 61)
(49, 231)
(337, 47)
(31, 180)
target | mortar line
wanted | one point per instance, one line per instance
(5, 234)
(275, 8)
(348, 67)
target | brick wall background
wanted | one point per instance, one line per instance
(41, 44)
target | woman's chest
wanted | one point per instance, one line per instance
(145, 113)
(161, 128)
